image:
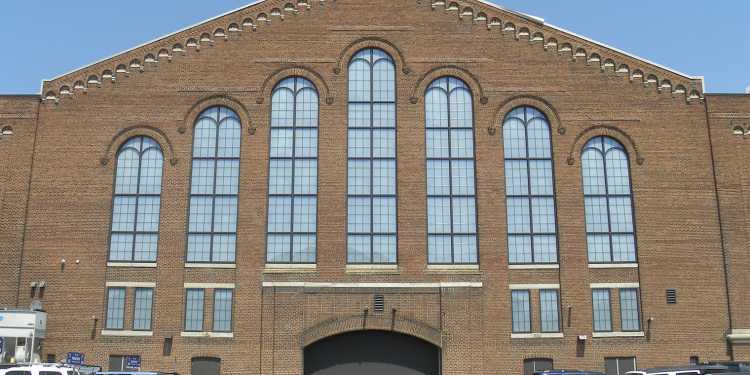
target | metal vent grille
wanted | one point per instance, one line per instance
(671, 296)
(379, 303)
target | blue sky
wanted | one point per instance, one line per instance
(45, 38)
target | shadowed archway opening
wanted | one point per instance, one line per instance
(372, 353)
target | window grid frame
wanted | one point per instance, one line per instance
(122, 310)
(557, 307)
(530, 196)
(151, 308)
(231, 311)
(137, 195)
(450, 196)
(203, 310)
(593, 309)
(214, 197)
(607, 197)
(294, 158)
(637, 306)
(529, 315)
(372, 159)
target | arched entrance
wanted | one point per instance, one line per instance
(372, 353)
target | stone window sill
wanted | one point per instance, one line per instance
(116, 333)
(537, 335)
(617, 334)
(131, 265)
(612, 265)
(229, 266)
(534, 267)
(454, 268)
(213, 335)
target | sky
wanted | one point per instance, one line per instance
(46, 38)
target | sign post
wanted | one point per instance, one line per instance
(75, 358)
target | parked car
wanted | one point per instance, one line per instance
(687, 370)
(39, 369)
(134, 373)
(568, 372)
(733, 366)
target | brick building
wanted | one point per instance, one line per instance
(425, 186)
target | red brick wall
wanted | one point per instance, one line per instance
(675, 199)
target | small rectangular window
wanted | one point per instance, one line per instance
(629, 311)
(521, 301)
(194, 310)
(550, 310)
(115, 308)
(142, 309)
(619, 365)
(223, 310)
(602, 310)
(533, 365)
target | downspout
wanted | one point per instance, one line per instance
(721, 232)
(28, 200)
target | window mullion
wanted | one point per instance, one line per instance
(372, 162)
(450, 174)
(294, 155)
(137, 196)
(609, 213)
(528, 179)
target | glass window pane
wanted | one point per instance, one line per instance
(280, 179)
(550, 310)
(115, 308)
(194, 310)
(223, 310)
(384, 249)
(279, 248)
(359, 177)
(199, 248)
(519, 249)
(543, 215)
(598, 248)
(618, 175)
(306, 177)
(439, 215)
(304, 248)
(602, 311)
(384, 143)
(384, 177)
(305, 214)
(542, 182)
(279, 214)
(359, 143)
(282, 143)
(629, 311)
(462, 172)
(358, 249)
(439, 249)
(142, 309)
(520, 301)
(359, 215)
(516, 177)
(437, 143)
(519, 221)
(462, 143)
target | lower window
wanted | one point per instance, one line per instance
(119, 363)
(533, 365)
(619, 365)
(205, 366)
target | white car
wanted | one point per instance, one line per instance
(40, 369)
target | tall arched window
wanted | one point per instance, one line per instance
(529, 188)
(137, 202)
(372, 159)
(212, 229)
(451, 192)
(293, 169)
(610, 228)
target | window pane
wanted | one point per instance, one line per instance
(214, 186)
(550, 310)
(372, 158)
(450, 172)
(280, 214)
(304, 248)
(222, 310)
(602, 311)
(280, 179)
(629, 310)
(305, 215)
(530, 187)
(279, 248)
(136, 201)
(306, 143)
(520, 300)
(115, 308)
(609, 205)
(194, 310)
(142, 315)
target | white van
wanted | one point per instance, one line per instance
(40, 369)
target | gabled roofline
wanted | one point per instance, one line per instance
(41, 89)
(590, 40)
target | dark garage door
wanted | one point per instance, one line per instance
(372, 353)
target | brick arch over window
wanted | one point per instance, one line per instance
(218, 100)
(295, 71)
(605, 131)
(529, 101)
(353, 323)
(371, 43)
(140, 130)
(449, 71)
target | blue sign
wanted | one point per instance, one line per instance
(75, 358)
(134, 361)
